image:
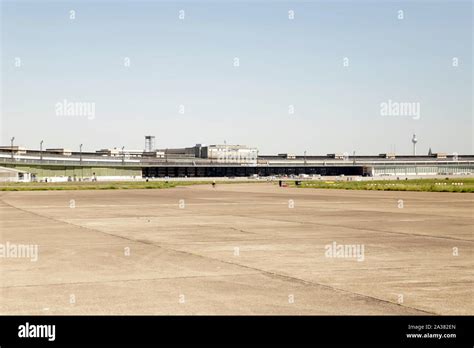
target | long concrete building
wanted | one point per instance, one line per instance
(222, 161)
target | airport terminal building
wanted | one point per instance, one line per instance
(220, 161)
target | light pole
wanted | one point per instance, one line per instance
(414, 140)
(11, 148)
(225, 152)
(41, 151)
(123, 155)
(80, 161)
(305, 158)
(80, 154)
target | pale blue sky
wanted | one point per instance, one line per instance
(282, 62)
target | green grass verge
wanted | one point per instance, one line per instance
(423, 185)
(116, 185)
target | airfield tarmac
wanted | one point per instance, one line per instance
(237, 249)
